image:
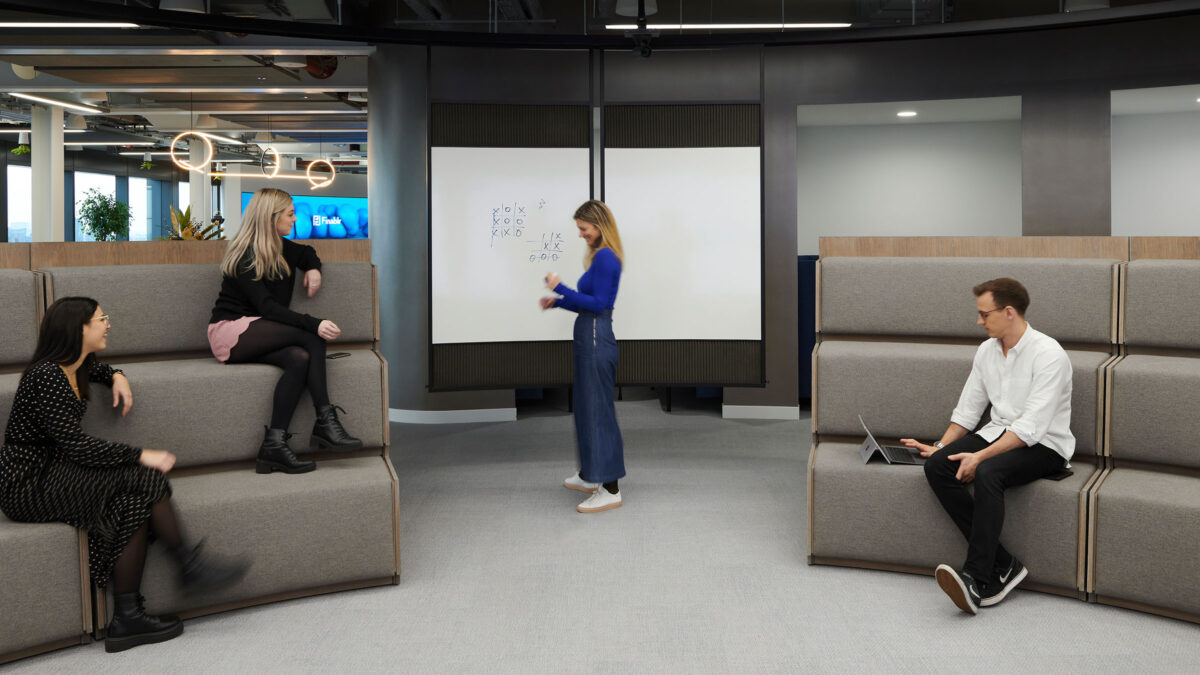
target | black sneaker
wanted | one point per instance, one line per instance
(1006, 580)
(960, 586)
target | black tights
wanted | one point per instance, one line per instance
(127, 572)
(301, 355)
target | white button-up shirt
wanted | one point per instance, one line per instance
(1029, 389)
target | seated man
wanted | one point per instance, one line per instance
(1026, 377)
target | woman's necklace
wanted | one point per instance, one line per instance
(71, 381)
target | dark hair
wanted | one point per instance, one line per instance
(60, 340)
(1006, 292)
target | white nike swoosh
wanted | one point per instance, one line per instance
(1004, 577)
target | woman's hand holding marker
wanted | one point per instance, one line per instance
(552, 281)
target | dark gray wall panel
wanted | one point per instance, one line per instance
(1066, 162)
(693, 76)
(479, 75)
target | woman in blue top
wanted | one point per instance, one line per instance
(601, 451)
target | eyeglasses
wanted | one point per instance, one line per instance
(984, 315)
(103, 317)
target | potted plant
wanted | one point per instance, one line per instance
(103, 217)
(183, 226)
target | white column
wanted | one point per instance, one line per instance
(232, 197)
(199, 184)
(46, 145)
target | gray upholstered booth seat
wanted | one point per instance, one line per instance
(325, 530)
(1147, 542)
(19, 297)
(907, 389)
(207, 412)
(159, 309)
(1157, 295)
(42, 603)
(1155, 401)
(932, 297)
(880, 515)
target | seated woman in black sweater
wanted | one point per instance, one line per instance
(251, 323)
(51, 471)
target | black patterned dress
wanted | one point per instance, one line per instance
(51, 471)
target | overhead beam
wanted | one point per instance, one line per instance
(177, 89)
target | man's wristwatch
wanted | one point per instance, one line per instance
(938, 444)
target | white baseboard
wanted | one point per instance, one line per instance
(760, 412)
(452, 416)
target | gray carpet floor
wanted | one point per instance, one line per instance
(702, 570)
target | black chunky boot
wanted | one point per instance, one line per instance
(328, 431)
(201, 572)
(132, 626)
(275, 455)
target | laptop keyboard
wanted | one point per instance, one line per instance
(898, 454)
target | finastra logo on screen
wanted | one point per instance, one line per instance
(318, 220)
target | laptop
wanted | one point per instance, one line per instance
(892, 454)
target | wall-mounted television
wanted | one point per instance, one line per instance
(326, 217)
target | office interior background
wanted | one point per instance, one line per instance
(879, 118)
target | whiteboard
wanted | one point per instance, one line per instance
(500, 220)
(691, 225)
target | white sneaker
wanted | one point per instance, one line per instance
(601, 500)
(577, 483)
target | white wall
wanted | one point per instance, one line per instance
(1156, 175)
(950, 179)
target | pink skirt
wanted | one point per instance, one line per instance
(223, 335)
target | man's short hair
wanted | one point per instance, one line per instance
(1006, 292)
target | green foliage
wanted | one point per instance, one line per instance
(146, 166)
(20, 150)
(183, 227)
(103, 217)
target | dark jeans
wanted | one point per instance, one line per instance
(981, 518)
(601, 450)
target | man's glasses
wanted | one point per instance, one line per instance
(984, 315)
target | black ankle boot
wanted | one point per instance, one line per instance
(202, 572)
(275, 455)
(132, 626)
(328, 430)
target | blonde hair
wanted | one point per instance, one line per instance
(597, 213)
(258, 234)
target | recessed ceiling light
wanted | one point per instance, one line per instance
(906, 113)
(62, 104)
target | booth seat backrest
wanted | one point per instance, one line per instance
(19, 327)
(1154, 406)
(909, 389)
(1071, 300)
(159, 309)
(1160, 297)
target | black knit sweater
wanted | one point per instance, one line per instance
(242, 296)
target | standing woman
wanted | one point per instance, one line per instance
(51, 471)
(601, 451)
(251, 323)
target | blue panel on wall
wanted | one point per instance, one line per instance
(326, 217)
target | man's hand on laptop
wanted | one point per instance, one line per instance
(924, 449)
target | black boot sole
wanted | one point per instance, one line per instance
(120, 644)
(264, 466)
(318, 442)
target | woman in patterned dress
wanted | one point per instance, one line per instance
(51, 471)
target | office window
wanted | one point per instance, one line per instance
(185, 196)
(20, 203)
(84, 181)
(139, 209)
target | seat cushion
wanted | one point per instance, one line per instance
(1146, 544)
(909, 389)
(1154, 404)
(333, 525)
(205, 411)
(19, 329)
(1155, 293)
(1070, 299)
(884, 513)
(41, 599)
(159, 309)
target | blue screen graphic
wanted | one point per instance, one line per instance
(326, 217)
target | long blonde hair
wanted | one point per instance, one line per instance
(258, 234)
(597, 213)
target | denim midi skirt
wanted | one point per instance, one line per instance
(601, 450)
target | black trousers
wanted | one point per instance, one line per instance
(981, 518)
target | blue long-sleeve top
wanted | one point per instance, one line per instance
(597, 287)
